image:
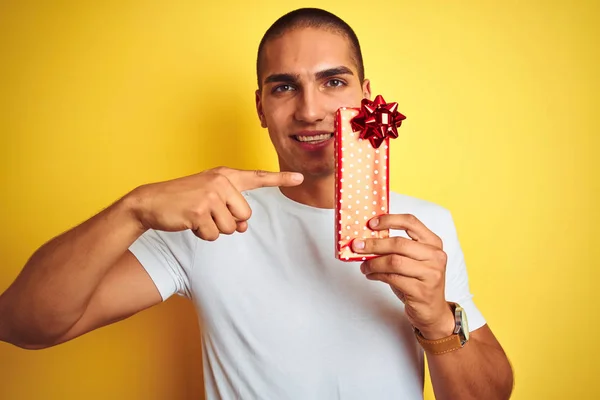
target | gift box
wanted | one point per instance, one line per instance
(362, 171)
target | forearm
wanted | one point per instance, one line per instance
(476, 371)
(52, 291)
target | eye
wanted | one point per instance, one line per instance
(283, 88)
(335, 82)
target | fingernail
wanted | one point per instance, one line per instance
(296, 177)
(358, 244)
(362, 268)
(374, 222)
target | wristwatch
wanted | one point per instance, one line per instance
(456, 341)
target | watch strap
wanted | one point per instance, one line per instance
(439, 346)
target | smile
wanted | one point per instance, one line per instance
(313, 139)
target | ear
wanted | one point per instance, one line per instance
(366, 88)
(259, 110)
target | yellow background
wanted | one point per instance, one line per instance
(502, 105)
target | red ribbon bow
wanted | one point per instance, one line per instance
(377, 120)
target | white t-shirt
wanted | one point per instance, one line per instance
(281, 318)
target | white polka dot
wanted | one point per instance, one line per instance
(366, 197)
(351, 144)
(342, 180)
(350, 186)
(351, 165)
(382, 208)
(360, 160)
(349, 206)
(358, 181)
(372, 233)
(357, 202)
(347, 237)
(360, 150)
(356, 232)
(368, 156)
(357, 211)
(351, 154)
(342, 169)
(342, 150)
(375, 182)
(341, 190)
(348, 227)
(349, 217)
(374, 213)
(342, 159)
(374, 203)
(376, 161)
(356, 222)
(366, 187)
(376, 172)
(365, 217)
(357, 191)
(383, 198)
(351, 176)
(349, 196)
(374, 192)
(364, 258)
(377, 151)
(366, 207)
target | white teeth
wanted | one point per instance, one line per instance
(316, 138)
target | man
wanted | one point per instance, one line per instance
(281, 318)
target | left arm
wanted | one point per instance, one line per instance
(416, 271)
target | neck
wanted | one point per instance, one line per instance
(316, 192)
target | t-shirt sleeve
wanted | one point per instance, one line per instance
(167, 257)
(457, 280)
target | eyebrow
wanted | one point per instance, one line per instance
(293, 78)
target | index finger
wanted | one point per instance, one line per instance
(248, 180)
(414, 228)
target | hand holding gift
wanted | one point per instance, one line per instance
(414, 268)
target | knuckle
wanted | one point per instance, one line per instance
(437, 275)
(398, 242)
(219, 179)
(396, 261)
(260, 173)
(220, 170)
(441, 257)
(411, 219)
(210, 236)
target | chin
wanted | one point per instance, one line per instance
(318, 171)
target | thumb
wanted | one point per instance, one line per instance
(248, 180)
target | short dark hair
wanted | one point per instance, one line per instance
(312, 18)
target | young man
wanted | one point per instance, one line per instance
(281, 318)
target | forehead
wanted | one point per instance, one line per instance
(306, 51)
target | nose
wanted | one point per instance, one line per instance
(309, 107)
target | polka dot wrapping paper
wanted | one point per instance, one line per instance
(361, 186)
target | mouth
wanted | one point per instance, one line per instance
(313, 138)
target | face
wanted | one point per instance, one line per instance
(307, 74)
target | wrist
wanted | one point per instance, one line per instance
(444, 326)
